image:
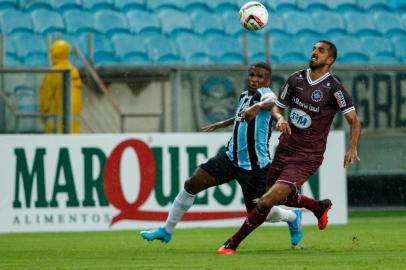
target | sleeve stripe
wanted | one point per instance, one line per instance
(349, 110)
(279, 104)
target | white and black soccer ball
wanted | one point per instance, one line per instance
(253, 16)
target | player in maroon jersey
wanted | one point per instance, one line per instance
(313, 97)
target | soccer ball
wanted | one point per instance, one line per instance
(253, 16)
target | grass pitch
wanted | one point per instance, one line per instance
(371, 240)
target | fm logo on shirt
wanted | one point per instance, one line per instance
(340, 99)
(300, 119)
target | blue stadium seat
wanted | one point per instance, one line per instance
(193, 49)
(79, 21)
(399, 41)
(281, 5)
(332, 22)
(156, 5)
(110, 22)
(388, 23)
(97, 5)
(307, 42)
(26, 102)
(103, 50)
(130, 49)
(223, 6)
(286, 49)
(143, 21)
(76, 40)
(9, 4)
(397, 5)
(30, 5)
(225, 49)
(275, 25)
(11, 53)
(36, 53)
(349, 49)
(256, 46)
(312, 5)
(47, 21)
(174, 21)
(299, 22)
(206, 22)
(197, 5)
(65, 5)
(162, 50)
(232, 24)
(342, 5)
(377, 47)
(12, 21)
(374, 5)
(128, 5)
(359, 23)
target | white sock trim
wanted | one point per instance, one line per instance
(179, 207)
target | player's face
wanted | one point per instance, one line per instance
(257, 78)
(320, 56)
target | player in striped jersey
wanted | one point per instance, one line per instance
(313, 97)
(246, 159)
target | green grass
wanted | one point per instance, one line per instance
(372, 240)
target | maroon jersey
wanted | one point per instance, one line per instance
(313, 105)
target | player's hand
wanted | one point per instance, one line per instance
(250, 113)
(209, 128)
(350, 157)
(283, 126)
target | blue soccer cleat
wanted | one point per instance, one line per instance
(295, 228)
(157, 234)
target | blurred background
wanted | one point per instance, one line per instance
(177, 65)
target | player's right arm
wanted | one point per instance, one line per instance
(217, 125)
(281, 124)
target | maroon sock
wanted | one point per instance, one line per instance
(300, 200)
(255, 218)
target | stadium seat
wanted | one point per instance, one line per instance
(37, 45)
(174, 21)
(223, 6)
(225, 49)
(162, 50)
(12, 21)
(256, 47)
(11, 53)
(156, 5)
(28, 5)
(79, 21)
(206, 22)
(388, 23)
(399, 41)
(377, 47)
(232, 24)
(103, 50)
(359, 23)
(374, 5)
(307, 41)
(384, 59)
(47, 21)
(130, 49)
(299, 22)
(286, 49)
(197, 5)
(128, 5)
(111, 22)
(65, 5)
(97, 5)
(342, 5)
(312, 5)
(141, 21)
(79, 41)
(349, 49)
(397, 5)
(26, 102)
(8, 4)
(281, 5)
(193, 49)
(332, 22)
(276, 25)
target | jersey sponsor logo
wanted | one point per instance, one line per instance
(340, 99)
(300, 119)
(317, 95)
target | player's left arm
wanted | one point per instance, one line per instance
(267, 102)
(352, 152)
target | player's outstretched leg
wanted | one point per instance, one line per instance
(322, 218)
(295, 228)
(157, 234)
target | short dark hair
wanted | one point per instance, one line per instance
(263, 65)
(332, 49)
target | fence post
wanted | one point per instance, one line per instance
(66, 102)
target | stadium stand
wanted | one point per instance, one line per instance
(162, 50)
(379, 49)
(399, 41)
(225, 50)
(287, 49)
(350, 50)
(340, 19)
(193, 49)
(130, 49)
(36, 54)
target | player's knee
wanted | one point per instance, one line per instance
(192, 186)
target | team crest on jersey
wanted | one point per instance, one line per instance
(317, 95)
(340, 99)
